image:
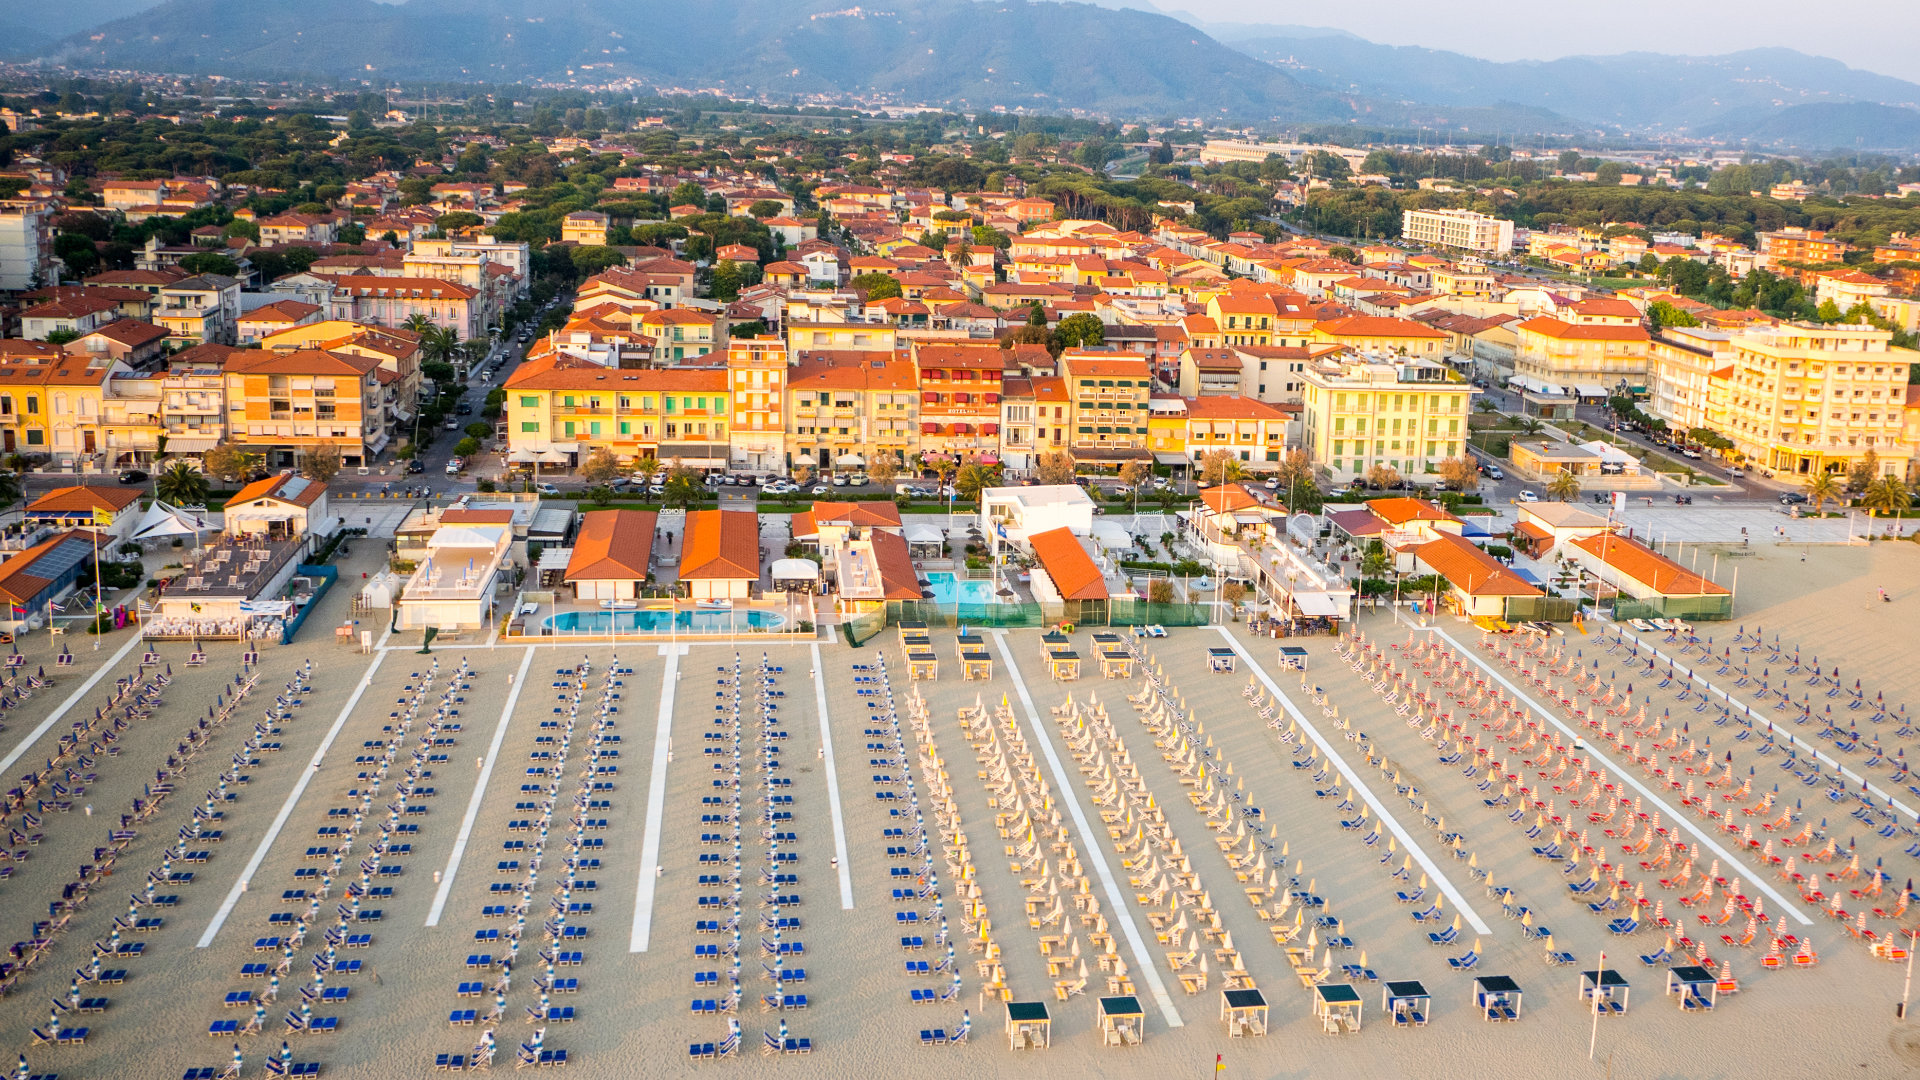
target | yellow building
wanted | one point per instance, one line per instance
(1805, 399)
(560, 409)
(585, 227)
(847, 408)
(1382, 335)
(756, 376)
(678, 333)
(1110, 393)
(1403, 413)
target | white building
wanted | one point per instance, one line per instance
(1462, 230)
(454, 587)
(1024, 511)
(26, 244)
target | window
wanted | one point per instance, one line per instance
(529, 425)
(593, 427)
(568, 428)
(35, 436)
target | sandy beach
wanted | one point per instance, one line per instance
(632, 1013)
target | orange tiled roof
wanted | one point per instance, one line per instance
(612, 544)
(80, 498)
(882, 515)
(1647, 566)
(1068, 564)
(721, 544)
(1399, 510)
(1470, 569)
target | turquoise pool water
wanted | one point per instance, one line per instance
(655, 622)
(947, 589)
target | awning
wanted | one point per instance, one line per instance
(1317, 605)
(551, 457)
(163, 520)
(566, 448)
(1590, 390)
(190, 446)
(523, 457)
(850, 459)
(1170, 459)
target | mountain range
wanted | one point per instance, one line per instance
(1120, 58)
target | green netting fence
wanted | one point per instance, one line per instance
(1695, 608)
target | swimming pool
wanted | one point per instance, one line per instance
(948, 589)
(655, 622)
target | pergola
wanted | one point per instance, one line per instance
(1122, 1021)
(1029, 1025)
(1245, 1012)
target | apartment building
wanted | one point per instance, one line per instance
(1589, 358)
(960, 389)
(201, 309)
(1254, 432)
(1462, 230)
(1797, 244)
(756, 376)
(845, 409)
(1110, 395)
(288, 404)
(560, 409)
(1805, 399)
(1405, 413)
(391, 301)
(26, 244)
(1687, 371)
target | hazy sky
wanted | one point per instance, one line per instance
(1546, 29)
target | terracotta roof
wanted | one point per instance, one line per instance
(1235, 407)
(132, 333)
(1647, 566)
(803, 525)
(1227, 498)
(1376, 326)
(898, 581)
(1399, 510)
(613, 544)
(870, 515)
(299, 362)
(1470, 569)
(1554, 328)
(560, 372)
(81, 498)
(721, 544)
(297, 490)
(1078, 364)
(287, 311)
(70, 307)
(1068, 564)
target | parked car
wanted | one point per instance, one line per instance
(1736, 472)
(840, 480)
(821, 489)
(656, 490)
(1529, 497)
(546, 489)
(133, 476)
(1493, 472)
(1272, 484)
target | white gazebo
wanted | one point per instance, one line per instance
(796, 575)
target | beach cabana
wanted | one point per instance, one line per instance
(1063, 665)
(1245, 1012)
(1116, 662)
(1029, 1026)
(1054, 639)
(1293, 658)
(1338, 1007)
(1697, 987)
(1122, 1021)
(1497, 997)
(975, 661)
(911, 629)
(1606, 986)
(922, 665)
(924, 541)
(1407, 1003)
(1221, 661)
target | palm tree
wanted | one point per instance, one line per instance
(182, 485)
(1823, 489)
(1887, 495)
(1532, 425)
(417, 323)
(1564, 486)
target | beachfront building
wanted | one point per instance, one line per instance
(1404, 413)
(872, 570)
(1065, 576)
(1016, 513)
(756, 374)
(830, 527)
(284, 507)
(111, 511)
(44, 574)
(1804, 399)
(1478, 585)
(1544, 526)
(1588, 358)
(1645, 583)
(720, 554)
(288, 404)
(456, 586)
(847, 408)
(560, 409)
(1110, 394)
(612, 556)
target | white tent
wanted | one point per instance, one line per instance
(162, 520)
(924, 534)
(1111, 535)
(796, 574)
